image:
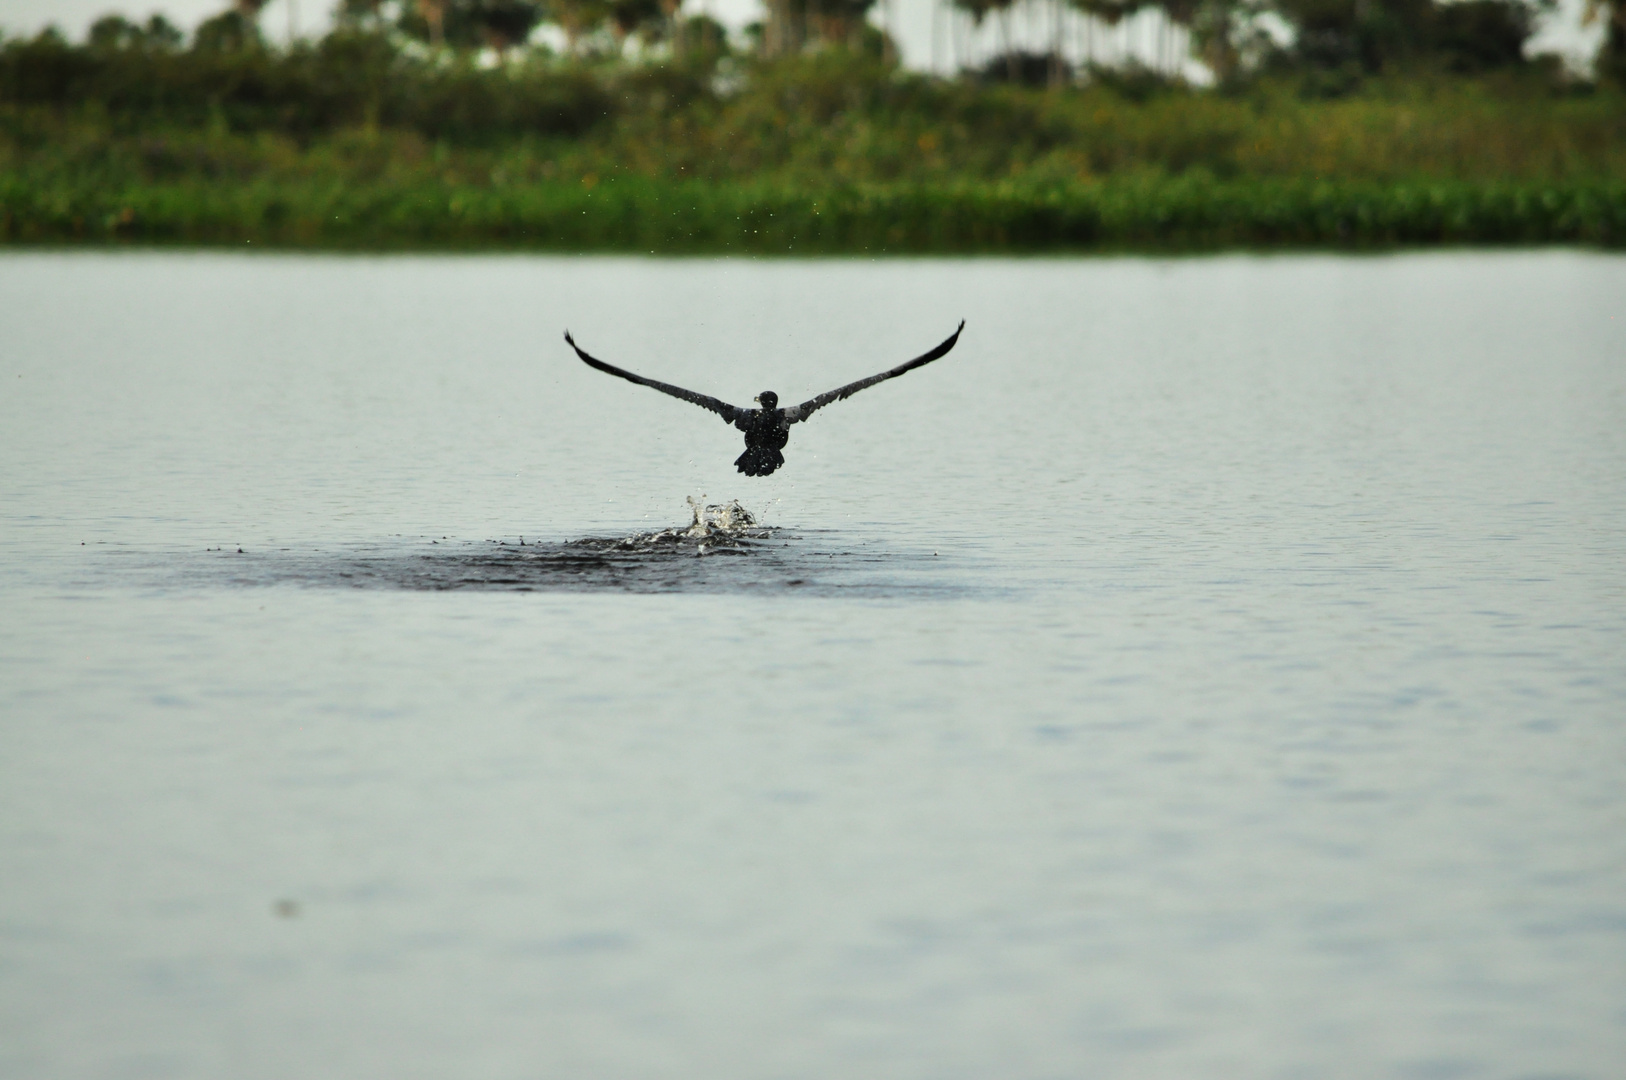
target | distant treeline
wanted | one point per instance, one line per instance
(370, 137)
(834, 113)
(1334, 43)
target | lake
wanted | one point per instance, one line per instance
(1211, 668)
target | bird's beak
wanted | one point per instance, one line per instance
(757, 399)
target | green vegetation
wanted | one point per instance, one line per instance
(365, 139)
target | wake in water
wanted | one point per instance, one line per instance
(680, 558)
(723, 549)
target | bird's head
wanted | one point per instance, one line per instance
(767, 399)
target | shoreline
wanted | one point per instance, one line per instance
(638, 215)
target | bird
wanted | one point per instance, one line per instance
(767, 429)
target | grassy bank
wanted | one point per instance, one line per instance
(823, 153)
(635, 214)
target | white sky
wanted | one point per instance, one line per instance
(914, 32)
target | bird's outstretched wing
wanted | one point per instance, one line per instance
(807, 408)
(722, 408)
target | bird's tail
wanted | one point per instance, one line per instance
(759, 461)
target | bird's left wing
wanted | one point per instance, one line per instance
(807, 408)
(721, 408)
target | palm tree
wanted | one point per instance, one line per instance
(503, 24)
(235, 29)
(360, 14)
(1219, 30)
(1178, 14)
(460, 24)
(433, 13)
(1611, 61)
(117, 32)
(674, 25)
(981, 9)
(1055, 43)
(1111, 12)
(841, 20)
(791, 24)
(784, 28)
(628, 17)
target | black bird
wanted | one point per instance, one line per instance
(767, 429)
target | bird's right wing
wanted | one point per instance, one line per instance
(722, 408)
(801, 412)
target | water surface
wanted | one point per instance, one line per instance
(1212, 668)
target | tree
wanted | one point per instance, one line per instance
(234, 30)
(1611, 60)
(1364, 33)
(642, 17)
(1111, 12)
(465, 24)
(117, 32)
(503, 24)
(1224, 33)
(1370, 35)
(698, 40)
(782, 30)
(426, 20)
(577, 18)
(1478, 35)
(364, 15)
(674, 25)
(838, 21)
(793, 24)
(980, 10)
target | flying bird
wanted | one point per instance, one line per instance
(767, 429)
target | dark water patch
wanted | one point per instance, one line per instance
(723, 551)
(780, 563)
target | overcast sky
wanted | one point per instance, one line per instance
(914, 30)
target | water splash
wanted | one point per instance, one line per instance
(729, 519)
(714, 526)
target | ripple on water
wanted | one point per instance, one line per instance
(723, 549)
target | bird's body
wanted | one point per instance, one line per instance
(767, 429)
(766, 433)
